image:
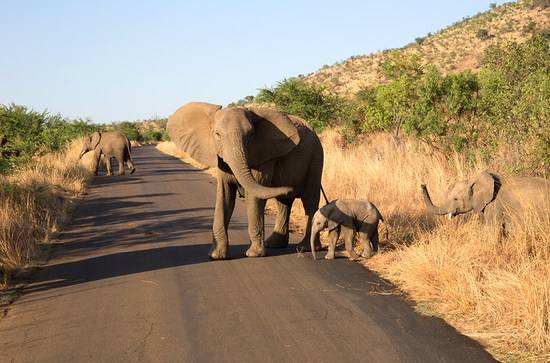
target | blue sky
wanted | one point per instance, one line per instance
(132, 60)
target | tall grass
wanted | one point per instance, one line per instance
(35, 204)
(496, 290)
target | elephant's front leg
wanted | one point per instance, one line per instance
(333, 236)
(225, 203)
(255, 210)
(279, 237)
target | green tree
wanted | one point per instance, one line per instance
(390, 107)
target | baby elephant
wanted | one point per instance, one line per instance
(350, 216)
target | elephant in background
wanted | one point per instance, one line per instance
(112, 144)
(260, 153)
(501, 201)
(348, 216)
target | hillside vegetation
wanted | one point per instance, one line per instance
(459, 47)
(498, 111)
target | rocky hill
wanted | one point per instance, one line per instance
(456, 48)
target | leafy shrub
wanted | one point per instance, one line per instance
(501, 113)
(314, 103)
(130, 129)
(28, 133)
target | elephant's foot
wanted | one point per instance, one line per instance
(330, 255)
(353, 255)
(367, 254)
(255, 251)
(133, 170)
(277, 240)
(109, 173)
(218, 253)
(120, 172)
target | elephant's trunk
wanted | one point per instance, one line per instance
(314, 235)
(441, 210)
(237, 161)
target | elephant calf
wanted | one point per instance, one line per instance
(349, 216)
(112, 144)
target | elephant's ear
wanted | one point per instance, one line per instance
(483, 191)
(94, 139)
(275, 135)
(335, 218)
(190, 129)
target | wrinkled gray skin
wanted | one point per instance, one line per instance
(348, 216)
(112, 145)
(502, 202)
(260, 154)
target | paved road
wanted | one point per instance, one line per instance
(132, 282)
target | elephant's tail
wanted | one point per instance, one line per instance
(324, 195)
(130, 153)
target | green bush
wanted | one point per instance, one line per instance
(501, 113)
(314, 103)
(28, 133)
(130, 129)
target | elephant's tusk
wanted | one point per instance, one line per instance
(450, 216)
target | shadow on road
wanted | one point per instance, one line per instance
(118, 264)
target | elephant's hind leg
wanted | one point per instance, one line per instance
(310, 200)
(108, 165)
(368, 251)
(120, 166)
(349, 235)
(279, 237)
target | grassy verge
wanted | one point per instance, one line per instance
(496, 291)
(35, 204)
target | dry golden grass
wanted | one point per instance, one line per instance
(494, 290)
(35, 203)
(168, 147)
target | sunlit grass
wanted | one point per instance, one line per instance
(496, 290)
(35, 203)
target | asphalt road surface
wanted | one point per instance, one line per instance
(132, 282)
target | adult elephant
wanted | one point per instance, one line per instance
(503, 202)
(260, 153)
(112, 144)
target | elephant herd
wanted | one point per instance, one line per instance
(261, 153)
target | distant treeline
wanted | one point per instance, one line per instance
(500, 114)
(25, 133)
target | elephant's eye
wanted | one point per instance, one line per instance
(218, 135)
